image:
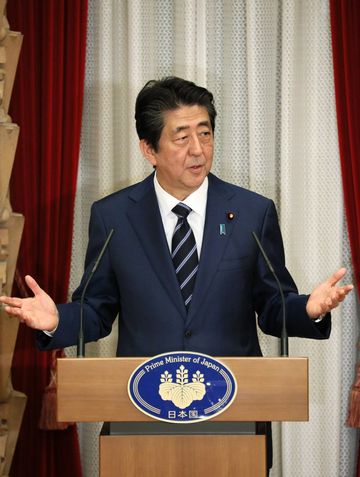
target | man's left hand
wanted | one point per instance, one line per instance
(327, 295)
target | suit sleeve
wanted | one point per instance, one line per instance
(101, 302)
(266, 294)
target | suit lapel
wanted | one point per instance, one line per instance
(145, 218)
(214, 242)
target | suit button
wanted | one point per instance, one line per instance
(187, 334)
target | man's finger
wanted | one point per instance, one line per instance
(337, 276)
(11, 301)
(13, 311)
(33, 285)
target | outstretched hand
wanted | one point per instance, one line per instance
(327, 295)
(38, 312)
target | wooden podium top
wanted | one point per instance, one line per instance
(269, 389)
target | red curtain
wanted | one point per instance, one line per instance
(47, 104)
(345, 28)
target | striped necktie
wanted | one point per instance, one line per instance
(184, 253)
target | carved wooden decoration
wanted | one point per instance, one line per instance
(12, 403)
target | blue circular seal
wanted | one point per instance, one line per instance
(182, 387)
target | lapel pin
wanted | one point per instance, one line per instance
(230, 215)
(222, 229)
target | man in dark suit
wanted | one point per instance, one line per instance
(230, 282)
(208, 301)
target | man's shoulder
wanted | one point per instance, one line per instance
(236, 191)
(121, 196)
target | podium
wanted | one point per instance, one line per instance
(134, 444)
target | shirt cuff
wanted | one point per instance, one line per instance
(319, 318)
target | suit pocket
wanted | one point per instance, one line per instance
(235, 263)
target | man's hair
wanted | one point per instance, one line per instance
(167, 94)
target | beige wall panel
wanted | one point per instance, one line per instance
(9, 134)
(12, 43)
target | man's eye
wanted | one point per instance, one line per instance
(205, 136)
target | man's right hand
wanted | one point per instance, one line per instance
(38, 312)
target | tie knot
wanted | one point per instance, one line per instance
(181, 210)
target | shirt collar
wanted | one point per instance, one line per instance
(196, 200)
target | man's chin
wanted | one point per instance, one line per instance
(196, 182)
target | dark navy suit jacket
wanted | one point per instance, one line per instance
(136, 279)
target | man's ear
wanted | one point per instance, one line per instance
(148, 152)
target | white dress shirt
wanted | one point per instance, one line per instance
(196, 201)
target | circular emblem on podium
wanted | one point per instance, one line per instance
(182, 387)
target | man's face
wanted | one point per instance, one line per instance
(185, 150)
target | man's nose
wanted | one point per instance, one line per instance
(195, 148)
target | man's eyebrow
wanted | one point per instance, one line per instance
(185, 127)
(205, 123)
(180, 128)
